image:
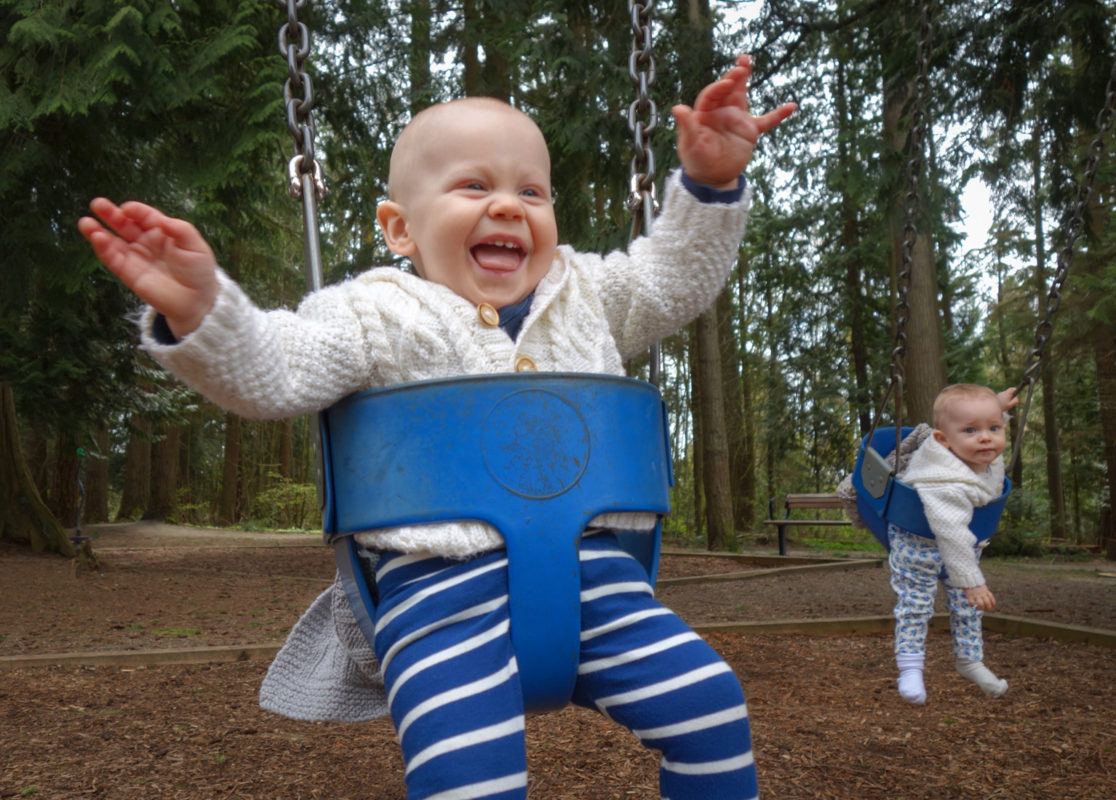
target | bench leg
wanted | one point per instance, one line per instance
(782, 540)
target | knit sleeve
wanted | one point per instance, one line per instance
(269, 364)
(668, 278)
(949, 513)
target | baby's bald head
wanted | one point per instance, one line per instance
(433, 129)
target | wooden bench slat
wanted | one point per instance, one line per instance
(787, 521)
(795, 501)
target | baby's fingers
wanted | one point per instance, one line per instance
(128, 221)
(773, 118)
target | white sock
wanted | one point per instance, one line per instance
(982, 677)
(911, 687)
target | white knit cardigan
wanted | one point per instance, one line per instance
(949, 491)
(589, 314)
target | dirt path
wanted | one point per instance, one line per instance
(826, 720)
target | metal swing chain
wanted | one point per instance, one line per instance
(298, 99)
(1074, 229)
(643, 120)
(912, 209)
(304, 171)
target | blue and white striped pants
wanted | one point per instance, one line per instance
(916, 567)
(442, 637)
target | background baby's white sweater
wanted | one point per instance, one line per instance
(949, 491)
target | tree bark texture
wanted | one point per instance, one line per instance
(97, 478)
(24, 517)
(715, 470)
(741, 467)
(64, 495)
(164, 474)
(136, 491)
(228, 509)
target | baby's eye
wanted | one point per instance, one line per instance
(996, 428)
(970, 430)
(475, 186)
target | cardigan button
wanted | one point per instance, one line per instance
(489, 316)
(525, 364)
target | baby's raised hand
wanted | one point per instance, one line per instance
(1008, 399)
(164, 260)
(717, 136)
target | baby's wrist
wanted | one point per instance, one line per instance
(708, 193)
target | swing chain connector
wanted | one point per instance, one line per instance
(298, 99)
(294, 176)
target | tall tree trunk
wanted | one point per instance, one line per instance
(695, 33)
(1103, 337)
(136, 492)
(849, 239)
(35, 452)
(164, 474)
(924, 364)
(470, 60)
(773, 385)
(715, 471)
(228, 509)
(286, 437)
(64, 492)
(1055, 488)
(748, 483)
(97, 478)
(484, 29)
(1104, 350)
(697, 455)
(418, 57)
(741, 471)
(24, 517)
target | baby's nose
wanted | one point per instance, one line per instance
(506, 205)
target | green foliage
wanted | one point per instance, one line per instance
(286, 506)
(129, 100)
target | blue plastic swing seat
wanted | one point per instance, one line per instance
(537, 456)
(882, 498)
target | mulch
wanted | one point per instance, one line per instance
(827, 722)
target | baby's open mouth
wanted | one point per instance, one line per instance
(498, 255)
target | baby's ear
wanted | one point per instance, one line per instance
(393, 222)
(940, 438)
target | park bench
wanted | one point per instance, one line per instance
(794, 502)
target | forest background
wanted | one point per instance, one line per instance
(179, 103)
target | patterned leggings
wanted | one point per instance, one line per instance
(916, 567)
(453, 687)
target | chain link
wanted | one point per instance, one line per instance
(643, 119)
(643, 116)
(298, 99)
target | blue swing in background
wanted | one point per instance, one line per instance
(537, 456)
(881, 498)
